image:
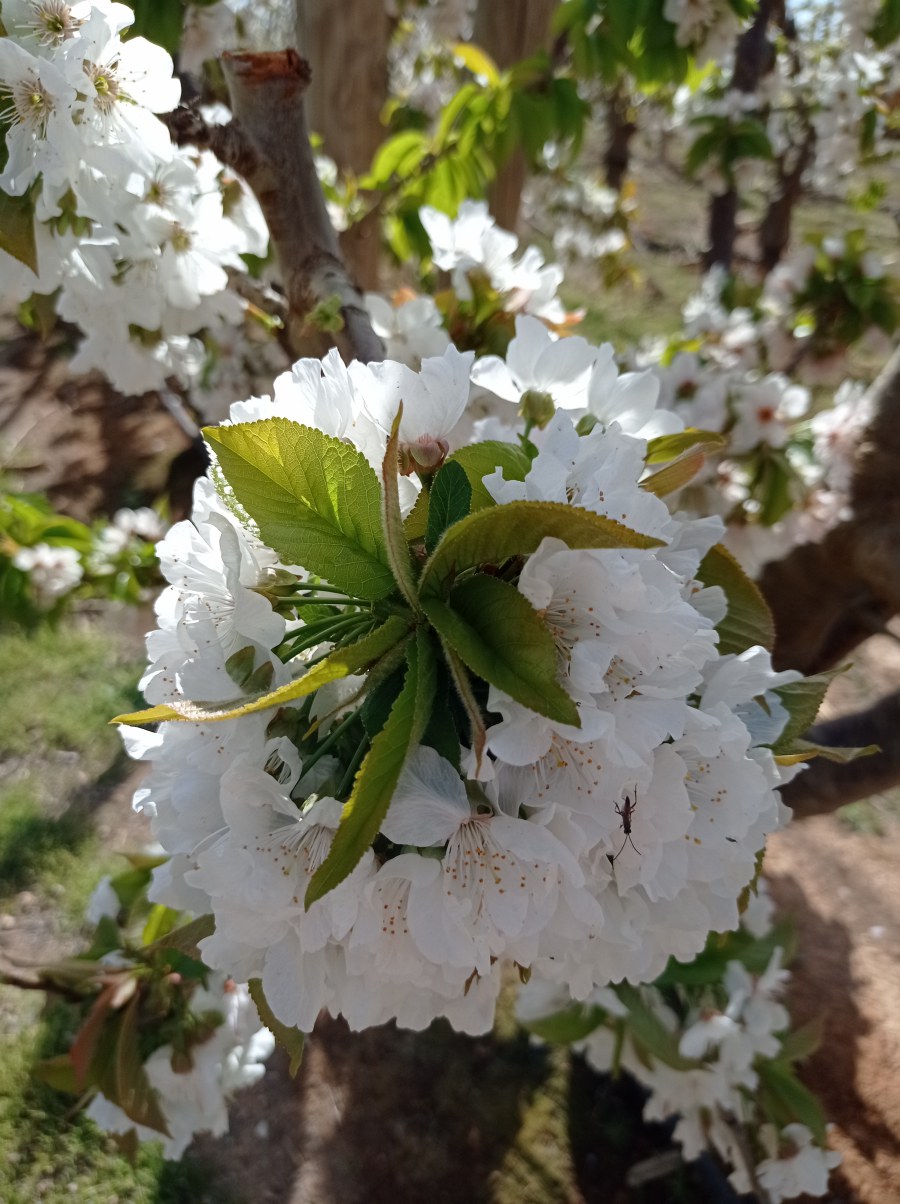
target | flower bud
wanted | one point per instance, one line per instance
(537, 407)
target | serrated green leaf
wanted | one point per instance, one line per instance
(785, 1100)
(494, 535)
(749, 620)
(314, 498)
(416, 522)
(451, 496)
(802, 701)
(500, 637)
(480, 459)
(566, 1027)
(17, 237)
(377, 778)
(290, 1039)
(357, 657)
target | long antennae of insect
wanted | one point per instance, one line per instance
(626, 841)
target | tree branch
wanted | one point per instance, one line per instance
(830, 596)
(827, 785)
(268, 144)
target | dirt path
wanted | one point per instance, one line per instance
(843, 891)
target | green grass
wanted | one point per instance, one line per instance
(60, 689)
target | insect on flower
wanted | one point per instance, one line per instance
(625, 812)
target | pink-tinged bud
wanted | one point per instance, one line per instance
(425, 455)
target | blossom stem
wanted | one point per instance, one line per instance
(330, 740)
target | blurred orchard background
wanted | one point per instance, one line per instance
(717, 181)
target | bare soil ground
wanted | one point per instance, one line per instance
(388, 1116)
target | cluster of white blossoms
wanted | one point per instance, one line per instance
(194, 1098)
(53, 571)
(473, 245)
(708, 27)
(724, 1040)
(589, 848)
(717, 376)
(138, 236)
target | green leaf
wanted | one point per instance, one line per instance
(58, 1072)
(358, 657)
(416, 522)
(500, 637)
(314, 498)
(805, 750)
(566, 1027)
(290, 1039)
(648, 1032)
(17, 236)
(516, 529)
(803, 1041)
(666, 448)
(391, 520)
(186, 938)
(680, 471)
(160, 21)
(478, 61)
(802, 701)
(749, 620)
(480, 459)
(451, 495)
(377, 778)
(161, 921)
(399, 155)
(708, 967)
(784, 1099)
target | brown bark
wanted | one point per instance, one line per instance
(828, 597)
(754, 57)
(509, 32)
(268, 144)
(775, 227)
(348, 46)
(620, 130)
(826, 785)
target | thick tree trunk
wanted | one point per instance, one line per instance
(346, 45)
(511, 31)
